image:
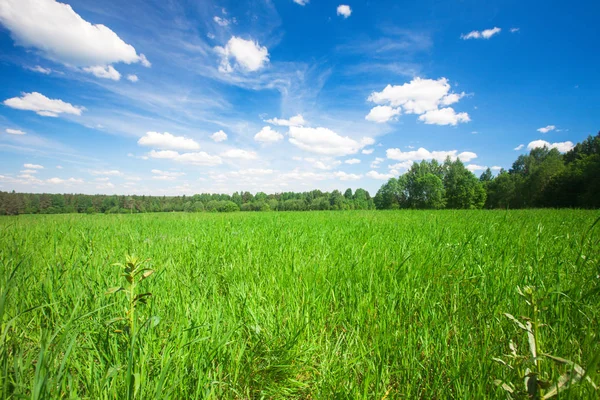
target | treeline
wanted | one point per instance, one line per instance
(542, 178)
(30, 203)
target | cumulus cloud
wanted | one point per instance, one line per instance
(166, 141)
(519, 147)
(546, 129)
(485, 34)
(514, 30)
(42, 105)
(343, 176)
(367, 151)
(377, 175)
(344, 10)
(381, 114)
(563, 147)
(496, 168)
(197, 158)
(132, 78)
(297, 120)
(240, 154)
(248, 55)
(60, 34)
(109, 172)
(419, 96)
(377, 162)
(33, 166)
(325, 141)
(475, 167)
(444, 116)
(352, 161)
(165, 175)
(219, 136)
(105, 72)
(302, 2)
(14, 131)
(401, 165)
(268, 135)
(424, 154)
(58, 181)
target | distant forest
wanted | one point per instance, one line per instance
(542, 178)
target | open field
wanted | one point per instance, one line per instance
(405, 304)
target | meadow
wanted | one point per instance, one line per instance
(316, 305)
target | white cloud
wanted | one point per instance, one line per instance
(485, 34)
(252, 172)
(475, 167)
(563, 147)
(199, 158)
(325, 141)
(42, 105)
(402, 165)
(381, 114)
(58, 181)
(33, 166)
(111, 172)
(376, 163)
(496, 168)
(14, 131)
(268, 135)
(240, 154)
(344, 10)
(297, 120)
(423, 154)
(59, 167)
(444, 116)
(60, 34)
(519, 147)
(343, 176)
(377, 175)
(546, 129)
(165, 175)
(367, 151)
(248, 55)
(419, 96)
(302, 2)
(30, 171)
(219, 136)
(41, 70)
(105, 72)
(221, 21)
(133, 78)
(514, 30)
(324, 163)
(352, 161)
(166, 141)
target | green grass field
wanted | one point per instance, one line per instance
(320, 305)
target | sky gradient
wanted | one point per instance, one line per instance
(183, 97)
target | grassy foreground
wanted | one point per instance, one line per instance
(320, 305)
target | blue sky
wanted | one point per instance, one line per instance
(183, 97)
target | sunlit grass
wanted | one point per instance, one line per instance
(294, 305)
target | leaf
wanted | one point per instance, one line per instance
(146, 274)
(113, 290)
(113, 320)
(516, 321)
(141, 297)
(154, 321)
(531, 338)
(504, 386)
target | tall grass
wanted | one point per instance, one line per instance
(270, 305)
